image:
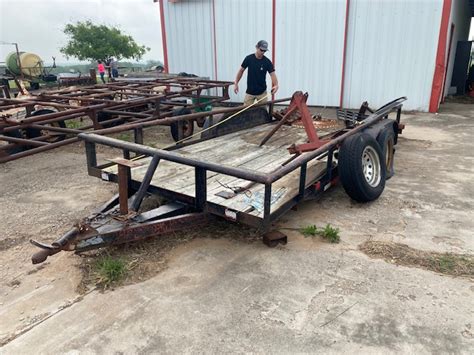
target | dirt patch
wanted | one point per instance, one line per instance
(146, 259)
(402, 254)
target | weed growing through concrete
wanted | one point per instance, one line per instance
(331, 234)
(110, 270)
(309, 231)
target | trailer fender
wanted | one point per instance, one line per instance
(386, 140)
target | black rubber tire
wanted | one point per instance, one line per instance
(15, 134)
(34, 86)
(188, 126)
(35, 132)
(351, 168)
(386, 141)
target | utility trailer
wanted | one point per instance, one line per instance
(250, 167)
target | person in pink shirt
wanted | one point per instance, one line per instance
(101, 68)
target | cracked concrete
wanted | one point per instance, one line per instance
(222, 295)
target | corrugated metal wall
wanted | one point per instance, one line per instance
(240, 24)
(189, 37)
(309, 47)
(391, 45)
(391, 51)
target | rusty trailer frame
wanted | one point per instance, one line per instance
(118, 104)
(120, 221)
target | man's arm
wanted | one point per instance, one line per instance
(274, 82)
(237, 79)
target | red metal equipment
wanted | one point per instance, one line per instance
(298, 103)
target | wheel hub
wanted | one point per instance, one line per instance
(371, 166)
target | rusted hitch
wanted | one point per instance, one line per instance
(110, 229)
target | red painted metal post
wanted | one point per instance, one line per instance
(299, 100)
(440, 58)
(163, 36)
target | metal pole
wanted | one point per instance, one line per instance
(19, 61)
(137, 201)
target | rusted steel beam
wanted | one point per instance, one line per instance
(22, 141)
(167, 121)
(38, 149)
(21, 124)
(57, 129)
(103, 98)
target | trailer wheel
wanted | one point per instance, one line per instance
(183, 130)
(361, 170)
(17, 148)
(386, 140)
(34, 86)
(35, 132)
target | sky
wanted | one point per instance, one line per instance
(37, 25)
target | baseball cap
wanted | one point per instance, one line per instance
(263, 45)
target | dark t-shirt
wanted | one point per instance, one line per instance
(257, 71)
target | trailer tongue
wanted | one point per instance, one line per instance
(239, 172)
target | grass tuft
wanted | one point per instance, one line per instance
(329, 233)
(309, 231)
(110, 270)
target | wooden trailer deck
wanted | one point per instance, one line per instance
(240, 149)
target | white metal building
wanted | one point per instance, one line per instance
(342, 52)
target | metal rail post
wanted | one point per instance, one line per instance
(201, 188)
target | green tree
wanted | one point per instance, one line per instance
(99, 42)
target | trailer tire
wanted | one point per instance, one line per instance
(18, 148)
(35, 132)
(186, 129)
(386, 140)
(360, 166)
(105, 116)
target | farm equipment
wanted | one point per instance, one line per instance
(251, 166)
(26, 66)
(51, 119)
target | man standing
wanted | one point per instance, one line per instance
(258, 65)
(114, 67)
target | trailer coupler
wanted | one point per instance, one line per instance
(112, 228)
